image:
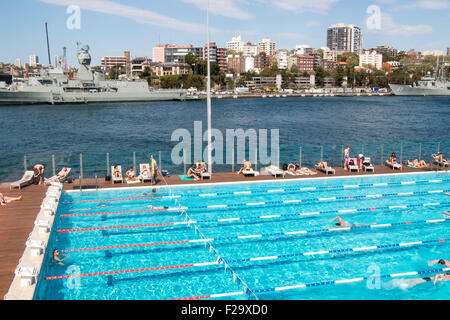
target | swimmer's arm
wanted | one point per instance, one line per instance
(433, 262)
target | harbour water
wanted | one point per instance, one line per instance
(40, 131)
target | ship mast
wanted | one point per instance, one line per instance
(48, 46)
(208, 90)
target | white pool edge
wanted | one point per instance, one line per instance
(16, 291)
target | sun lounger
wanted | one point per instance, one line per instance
(352, 165)
(393, 165)
(444, 163)
(205, 174)
(248, 173)
(26, 180)
(327, 170)
(147, 177)
(367, 165)
(275, 171)
(116, 179)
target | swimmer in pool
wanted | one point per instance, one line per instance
(149, 193)
(441, 262)
(57, 257)
(99, 207)
(341, 223)
(157, 208)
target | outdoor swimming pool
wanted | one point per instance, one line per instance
(275, 239)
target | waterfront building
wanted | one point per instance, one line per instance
(371, 58)
(305, 82)
(304, 62)
(18, 63)
(281, 58)
(138, 65)
(261, 82)
(434, 53)
(236, 63)
(387, 50)
(266, 46)
(343, 37)
(170, 68)
(328, 65)
(167, 53)
(212, 52)
(33, 60)
(111, 61)
(250, 50)
(303, 49)
(395, 65)
(262, 61)
(249, 63)
(222, 59)
(236, 44)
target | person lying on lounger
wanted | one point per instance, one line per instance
(4, 200)
(247, 166)
(116, 173)
(341, 223)
(393, 158)
(145, 173)
(322, 164)
(417, 164)
(131, 175)
(60, 176)
(193, 173)
(438, 157)
(304, 171)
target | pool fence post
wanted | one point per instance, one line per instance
(362, 149)
(439, 147)
(232, 159)
(401, 156)
(256, 159)
(420, 151)
(53, 165)
(300, 163)
(134, 161)
(321, 153)
(25, 162)
(81, 167)
(184, 162)
(107, 164)
(159, 161)
(342, 156)
(382, 154)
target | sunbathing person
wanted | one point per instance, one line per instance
(393, 158)
(193, 173)
(145, 173)
(116, 172)
(341, 223)
(247, 166)
(304, 171)
(290, 170)
(4, 200)
(417, 164)
(322, 164)
(131, 175)
(438, 157)
(201, 167)
(61, 176)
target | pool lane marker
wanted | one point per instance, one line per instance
(385, 208)
(287, 190)
(256, 236)
(317, 284)
(203, 264)
(269, 203)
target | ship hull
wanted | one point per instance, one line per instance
(22, 97)
(405, 90)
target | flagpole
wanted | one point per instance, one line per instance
(208, 89)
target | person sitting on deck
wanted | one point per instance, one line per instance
(192, 173)
(393, 158)
(417, 164)
(62, 175)
(131, 175)
(116, 173)
(4, 200)
(56, 257)
(341, 223)
(201, 167)
(247, 166)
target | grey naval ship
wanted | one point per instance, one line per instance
(52, 86)
(436, 85)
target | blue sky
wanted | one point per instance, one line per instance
(112, 26)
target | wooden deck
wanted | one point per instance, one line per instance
(17, 218)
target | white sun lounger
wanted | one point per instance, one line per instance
(248, 173)
(115, 179)
(327, 170)
(354, 166)
(26, 180)
(145, 178)
(393, 165)
(367, 165)
(275, 171)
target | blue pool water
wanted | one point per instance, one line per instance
(421, 201)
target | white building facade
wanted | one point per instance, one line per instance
(236, 44)
(371, 58)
